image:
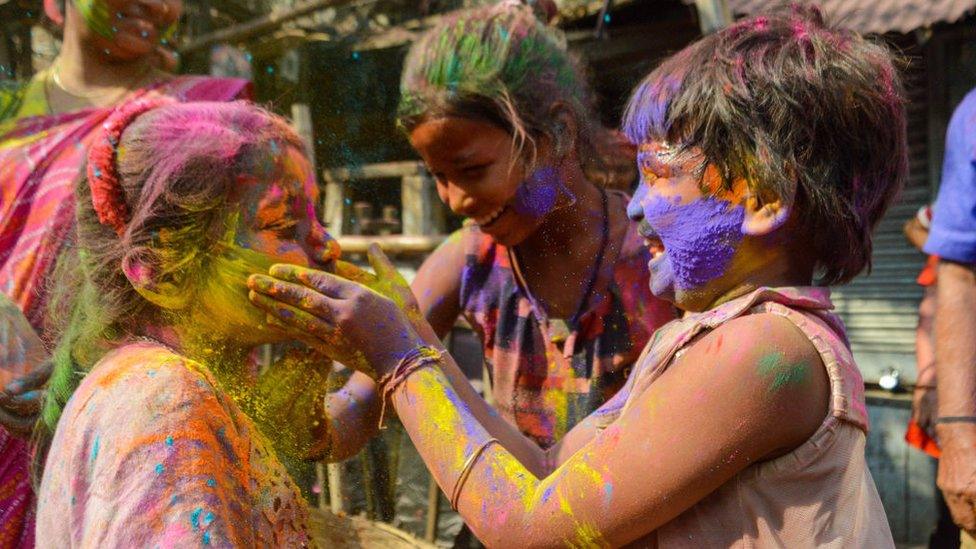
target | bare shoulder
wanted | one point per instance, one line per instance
(766, 371)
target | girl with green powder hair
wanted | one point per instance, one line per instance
(548, 270)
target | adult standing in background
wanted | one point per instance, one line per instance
(953, 238)
(108, 56)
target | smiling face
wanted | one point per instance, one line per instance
(276, 223)
(691, 225)
(124, 29)
(479, 176)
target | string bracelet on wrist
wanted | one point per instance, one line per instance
(415, 359)
(466, 471)
(955, 419)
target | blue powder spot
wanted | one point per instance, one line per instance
(211, 482)
(195, 518)
(348, 201)
(248, 56)
(173, 500)
(95, 447)
(285, 313)
(169, 441)
(206, 538)
(73, 500)
(547, 494)
(144, 34)
(208, 518)
(607, 492)
(160, 468)
(269, 69)
(355, 56)
(151, 373)
(606, 18)
(97, 172)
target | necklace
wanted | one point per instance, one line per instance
(562, 330)
(55, 78)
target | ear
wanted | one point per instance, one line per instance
(143, 273)
(763, 217)
(567, 130)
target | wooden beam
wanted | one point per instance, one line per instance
(382, 170)
(394, 244)
(260, 25)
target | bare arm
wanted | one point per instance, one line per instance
(751, 404)
(955, 362)
(915, 233)
(437, 285)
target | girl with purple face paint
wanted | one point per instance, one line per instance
(743, 424)
(548, 271)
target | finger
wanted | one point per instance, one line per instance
(27, 404)
(352, 272)
(299, 322)
(962, 512)
(382, 265)
(21, 426)
(35, 379)
(326, 283)
(296, 295)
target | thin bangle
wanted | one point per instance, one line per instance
(956, 419)
(924, 387)
(466, 470)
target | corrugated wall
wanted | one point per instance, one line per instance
(881, 309)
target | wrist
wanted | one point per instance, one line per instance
(956, 434)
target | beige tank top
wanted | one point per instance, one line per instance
(819, 495)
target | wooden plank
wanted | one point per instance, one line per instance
(381, 170)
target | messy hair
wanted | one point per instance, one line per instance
(502, 65)
(179, 168)
(803, 111)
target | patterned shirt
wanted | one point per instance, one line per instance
(534, 384)
(150, 452)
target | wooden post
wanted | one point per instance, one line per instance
(713, 15)
(433, 510)
(334, 471)
(301, 116)
(422, 214)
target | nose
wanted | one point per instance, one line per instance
(635, 211)
(459, 201)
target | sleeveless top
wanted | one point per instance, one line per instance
(819, 495)
(151, 452)
(539, 383)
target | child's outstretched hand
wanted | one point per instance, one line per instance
(363, 322)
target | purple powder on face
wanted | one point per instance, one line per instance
(538, 195)
(699, 238)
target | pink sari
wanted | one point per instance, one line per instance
(40, 159)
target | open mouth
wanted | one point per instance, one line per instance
(652, 241)
(488, 220)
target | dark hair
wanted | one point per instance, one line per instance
(179, 167)
(803, 111)
(502, 65)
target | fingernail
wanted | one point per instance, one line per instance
(261, 282)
